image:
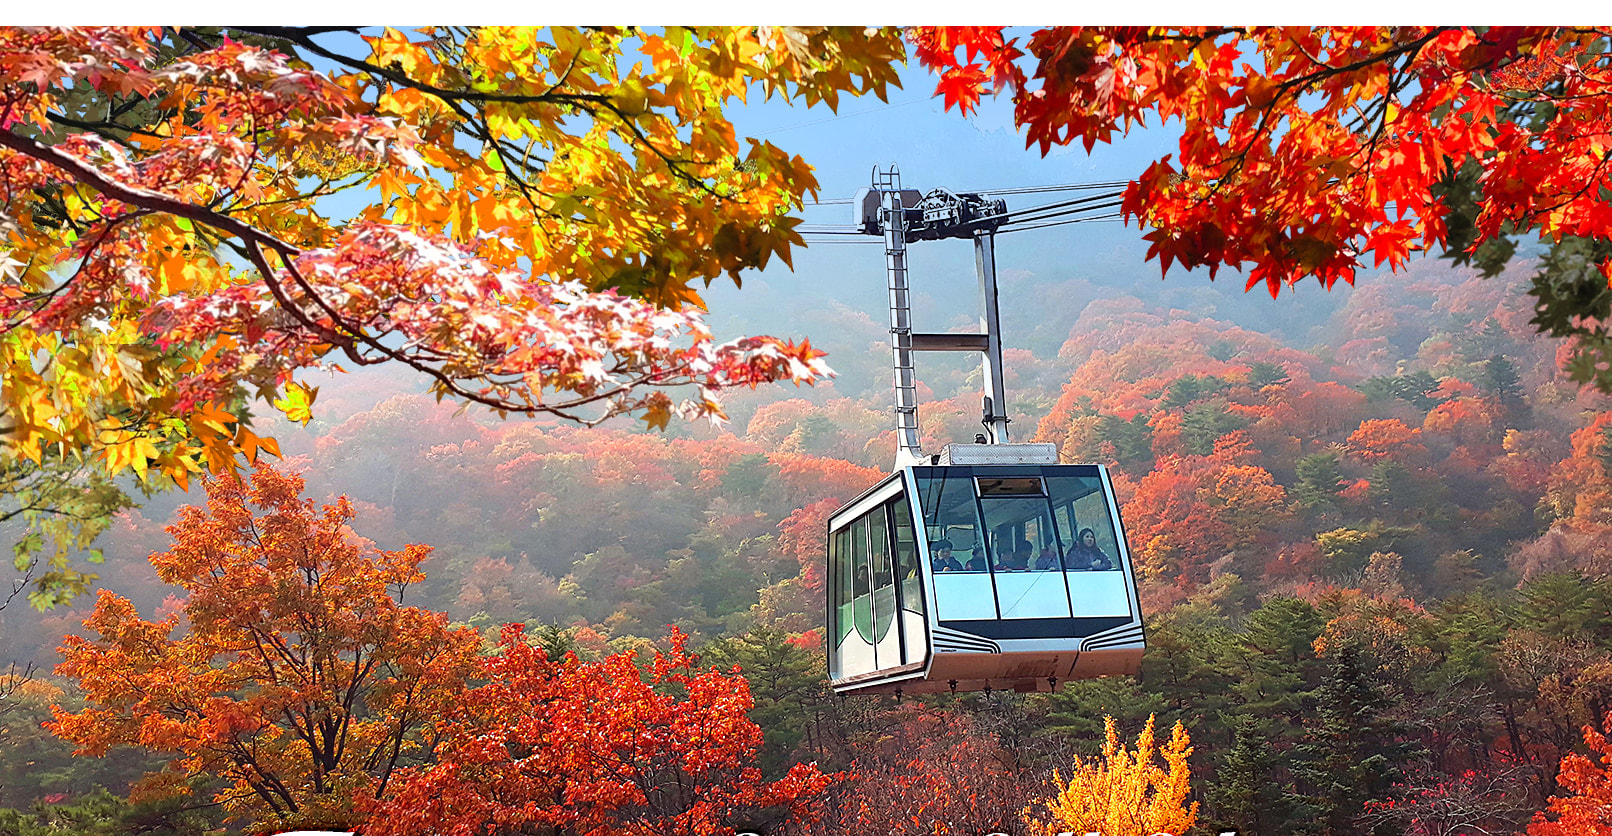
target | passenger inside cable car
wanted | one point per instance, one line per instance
(1019, 526)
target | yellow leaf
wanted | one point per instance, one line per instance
(298, 402)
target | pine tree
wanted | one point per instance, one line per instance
(1499, 378)
(786, 682)
(1262, 374)
(1320, 480)
(1247, 795)
(1357, 751)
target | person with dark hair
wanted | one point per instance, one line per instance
(862, 580)
(941, 559)
(1086, 556)
(976, 562)
(1017, 560)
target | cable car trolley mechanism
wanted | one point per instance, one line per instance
(987, 565)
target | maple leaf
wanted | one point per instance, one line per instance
(961, 88)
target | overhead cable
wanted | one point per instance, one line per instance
(1048, 216)
(1059, 187)
(1109, 218)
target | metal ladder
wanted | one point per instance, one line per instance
(903, 342)
(892, 219)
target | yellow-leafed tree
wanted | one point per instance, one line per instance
(1123, 792)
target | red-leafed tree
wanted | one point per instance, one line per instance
(810, 478)
(804, 536)
(568, 747)
(930, 772)
(1385, 439)
(1317, 152)
(299, 680)
(1587, 808)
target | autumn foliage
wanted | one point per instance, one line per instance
(928, 771)
(563, 746)
(298, 677)
(1373, 117)
(1124, 792)
(1587, 809)
(539, 210)
(1322, 151)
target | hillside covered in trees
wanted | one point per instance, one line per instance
(1374, 564)
(408, 316)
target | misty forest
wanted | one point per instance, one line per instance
(347, 489)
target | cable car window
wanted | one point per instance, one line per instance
(907, 573)
(1092, 559)
(1063, 516)
(861, 581)
(839, 616)
(947, 506)
(884, 594)
(910, 598)
(1023, 538)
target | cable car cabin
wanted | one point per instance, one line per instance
(964, 577)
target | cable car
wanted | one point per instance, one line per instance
(987, 565)
(998, 573)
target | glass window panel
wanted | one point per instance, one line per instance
(1023, 537)
(883, 574)
(861, 581)
(1060, 516)
(1015, 523)
(1091, 544)
(1010, 486)
(947, 507)
(839, 616)
(911, 580)
(1092, 556)
(909, 584)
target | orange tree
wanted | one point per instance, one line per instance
(568, 747)
(1124, 792)
(531, 212)
(1587, 809)
(298, 678)
(1311, 152)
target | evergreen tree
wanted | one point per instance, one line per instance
(1415, 388)
(1248, 795)
(1320, 480)
(1499, 378)
(1390, 485)
(1356, 750)
(787, 686)
(1132, 440)
(1186, 389)
(1262, 374)
(1278, 661)
(747, 476)
(1204, 423)
(1568, 606)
